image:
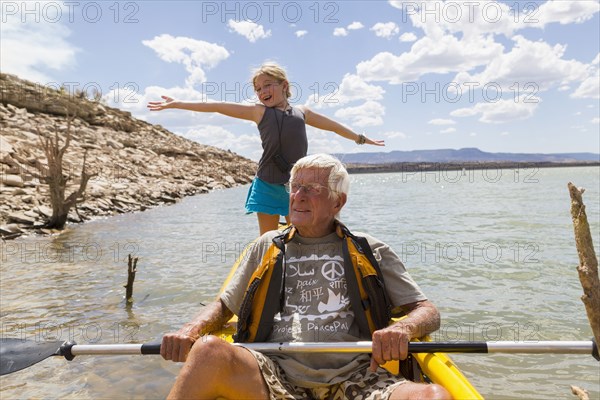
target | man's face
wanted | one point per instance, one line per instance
(312, 209)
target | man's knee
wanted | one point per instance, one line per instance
(432, 391)
(211, 350)
(411, 390)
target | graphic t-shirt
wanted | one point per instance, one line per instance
(317, 306)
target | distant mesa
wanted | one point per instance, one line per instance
(465, 155)
(452, 159)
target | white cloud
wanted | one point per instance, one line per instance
(30, 49)
(355, 25)
(595, 121)
(464, 112)
(301, 33)
(215, 135)
(460, 37)
(400, 4)
(250, 30)
(385, 29)
(126, 98)
(325, 141)
(176, 120)
(566, 12)
(442, 121)
(351, 88)
(368, 114)
(195, 55)
(473, 18)
(534, 64)
(501, 111)
(483, 17)
(430, 55)
(590, 87)
(395, 135)
(408, 37)
(351, 27)
(129, 98)
(340, 32)
(448, 130)
(211, 135)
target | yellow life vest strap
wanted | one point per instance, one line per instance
(366, 288)
(265, 286)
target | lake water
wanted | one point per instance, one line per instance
(494, 249)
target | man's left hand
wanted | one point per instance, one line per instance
(389, 344)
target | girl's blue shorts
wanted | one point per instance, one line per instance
(267, 198)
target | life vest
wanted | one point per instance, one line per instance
(264, 296)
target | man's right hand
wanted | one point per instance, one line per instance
(177, 345)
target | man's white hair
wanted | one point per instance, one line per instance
(338, 180)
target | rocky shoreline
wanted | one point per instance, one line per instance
(138, 165)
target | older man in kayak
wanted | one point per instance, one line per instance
(314, 282)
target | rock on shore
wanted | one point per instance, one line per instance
(139, 165)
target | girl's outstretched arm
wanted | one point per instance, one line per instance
(252, 112)
(322, 122)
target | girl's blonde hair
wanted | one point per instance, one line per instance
(274, 71)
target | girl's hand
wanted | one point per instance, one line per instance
(362, 139)
(375, 142)
(168, 102)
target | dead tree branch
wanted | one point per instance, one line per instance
(588, 262)
(582, 394)
(54, 176)
(131, 270)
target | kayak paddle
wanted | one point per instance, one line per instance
(18, 354)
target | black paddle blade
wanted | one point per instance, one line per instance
(17, 354)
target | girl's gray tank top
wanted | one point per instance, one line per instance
(283, 137)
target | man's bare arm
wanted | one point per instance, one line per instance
(176, 346)
(391, 343)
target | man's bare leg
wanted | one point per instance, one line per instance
(215, 368)
(413, 391)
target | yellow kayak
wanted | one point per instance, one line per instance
(432, 367)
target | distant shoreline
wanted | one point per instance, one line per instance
(355, 168)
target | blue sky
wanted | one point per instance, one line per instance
(501, 76)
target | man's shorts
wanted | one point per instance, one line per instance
(363, 384)
(267, 198)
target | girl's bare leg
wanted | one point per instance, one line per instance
(267, 222)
